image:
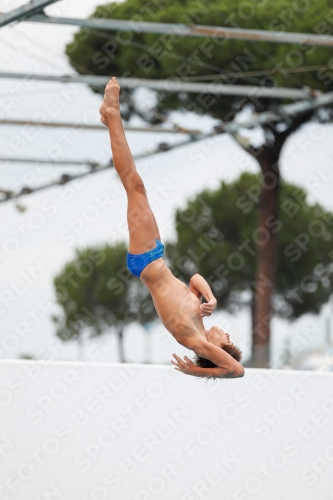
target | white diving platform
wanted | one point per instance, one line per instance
(100, 431)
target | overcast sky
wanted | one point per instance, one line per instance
(92, 210)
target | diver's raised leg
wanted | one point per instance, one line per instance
(142, 226)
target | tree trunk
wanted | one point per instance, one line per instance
(268, 157)
(252, 305)
(121, 352)
(80, 348)
(266, 239)
(148, 353)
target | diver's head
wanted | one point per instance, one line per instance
(218, 337)
(221, 339)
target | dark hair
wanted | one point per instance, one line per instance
(229, 348)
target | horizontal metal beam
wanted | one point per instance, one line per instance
(22, 12)
(172, 85)
(286, 111)
(18, 159)
(266, 117)
(189, 30)
(83, 126)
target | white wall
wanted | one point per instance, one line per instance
(97, 431)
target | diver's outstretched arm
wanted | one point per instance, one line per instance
(227, 366)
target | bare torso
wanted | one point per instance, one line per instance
(177, 307)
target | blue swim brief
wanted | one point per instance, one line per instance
(137, 262)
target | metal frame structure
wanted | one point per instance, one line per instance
(37, 161)
(84, 126)
(188, 30)
(312, 99)
(21, 13)
(173, 85)
(281, 114)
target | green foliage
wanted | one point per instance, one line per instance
(217, 236)
(146, 55)
(96, 292)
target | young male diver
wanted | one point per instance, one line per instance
(179, 307)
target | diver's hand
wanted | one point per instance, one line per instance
(207, 308)
(186, 366)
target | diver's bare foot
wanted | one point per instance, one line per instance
(110, 104)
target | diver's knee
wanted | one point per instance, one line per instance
(135, 183)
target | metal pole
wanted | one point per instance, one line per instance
(128, 128)
(25, 11)
(14, 159)
(189, 30)
(172, 85)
